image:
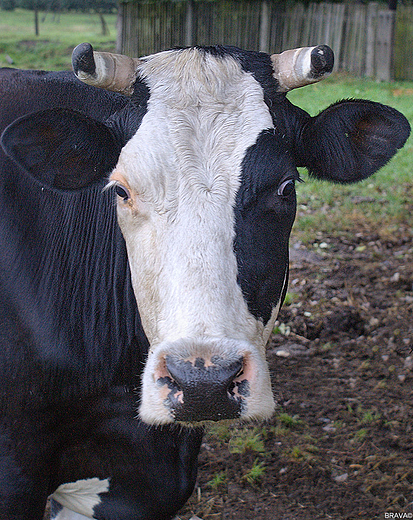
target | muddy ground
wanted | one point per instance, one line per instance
(341, 443)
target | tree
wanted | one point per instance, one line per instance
(101, 7)
(8, 5)
(36, 6)
(98, 6)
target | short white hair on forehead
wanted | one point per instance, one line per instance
(204, 112)
(190, 73)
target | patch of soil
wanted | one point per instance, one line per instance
(340, 445)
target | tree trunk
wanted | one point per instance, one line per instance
(392, 5)
(105, 29)
(36, 22)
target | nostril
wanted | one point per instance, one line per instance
(240, 372)
(175, 368)
(234, 381)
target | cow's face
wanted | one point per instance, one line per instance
(206, 202)
(206, 226)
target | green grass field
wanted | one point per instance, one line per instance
(385, 201)
(58, 34)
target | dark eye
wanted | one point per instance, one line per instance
(122, 192)
(287, 188)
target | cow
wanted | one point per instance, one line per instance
(146, 208)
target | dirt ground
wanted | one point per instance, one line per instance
(341, 443)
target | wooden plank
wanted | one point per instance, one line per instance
(361, 40)
(119, 28)
(298, 16)
(384, 46)
(189, 23)
(403, 44)
(328, 26)
(337, 34)
(344, 59)
(352, 58)
(307, 36)
(264, 27)
(275, 27)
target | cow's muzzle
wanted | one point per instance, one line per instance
(207, 379)
(205, 389)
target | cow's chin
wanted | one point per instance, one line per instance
(197, 381)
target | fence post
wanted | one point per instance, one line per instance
(119, 29)
(372, 9)
(384, 45)
(403, 43)
(264, 27)
(189, 23)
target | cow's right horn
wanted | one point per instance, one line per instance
(104, 69)
(300, 67)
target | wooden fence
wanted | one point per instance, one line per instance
(403, 44)
(367, 39)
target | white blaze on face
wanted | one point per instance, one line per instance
(182, 169)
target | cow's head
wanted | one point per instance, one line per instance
(203, 162)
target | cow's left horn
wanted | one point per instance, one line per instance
(104, 69)
(300, 67)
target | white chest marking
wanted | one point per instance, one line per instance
(81, 496)
(66, 514)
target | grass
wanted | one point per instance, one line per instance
(246, 441)
(254, 475)
(384, 202)
(243, 443)
(218, 480)
(291, 422)
(59, 34)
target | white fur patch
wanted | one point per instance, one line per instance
(183, 167)
(80, 497)
(66, 514)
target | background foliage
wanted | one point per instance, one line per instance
(103, 6)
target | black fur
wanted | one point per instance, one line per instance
(263, 223)
(352, 139)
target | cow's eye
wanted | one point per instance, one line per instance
(286, 188)
(122, 192)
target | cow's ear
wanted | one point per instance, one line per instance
(61, 148)
(351, 140)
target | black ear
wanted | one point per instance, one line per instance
(352, 139)
(61, 147)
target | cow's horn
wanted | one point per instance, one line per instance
(300, 67)
(104, 69)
